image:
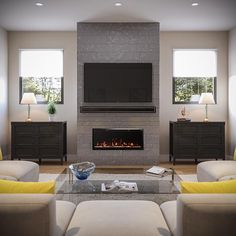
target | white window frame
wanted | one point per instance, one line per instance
(59, 79)
(212, 72)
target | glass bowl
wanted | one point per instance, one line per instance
(82, 170)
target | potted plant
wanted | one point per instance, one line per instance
(51, 110)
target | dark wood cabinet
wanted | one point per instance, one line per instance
(197, 140)
(38, 140)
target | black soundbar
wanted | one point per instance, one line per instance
(118, 109)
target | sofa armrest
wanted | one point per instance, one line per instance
(27, 214)
(206, 214)
(26, 171)
(208, 171)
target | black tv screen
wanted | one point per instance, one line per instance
(117, 82)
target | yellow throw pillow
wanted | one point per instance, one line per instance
(228, 186)
(235, 154)
(1, 157)
(7, 186)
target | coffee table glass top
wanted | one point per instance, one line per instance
(68, 184)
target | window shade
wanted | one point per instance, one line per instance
(41, 63)
(194, 63)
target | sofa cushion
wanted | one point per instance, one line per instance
(115, 218)
(228, 186)
(169, 210)
(7, 186)
(64, 213)
(20, 170)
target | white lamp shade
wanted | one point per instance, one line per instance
(28, 98)
(206, 98)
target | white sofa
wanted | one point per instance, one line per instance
(19, 171)
(190, 215)
(208, 171)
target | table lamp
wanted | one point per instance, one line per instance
(206, 98)
(28, 98)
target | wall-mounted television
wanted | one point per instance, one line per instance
(117, 82)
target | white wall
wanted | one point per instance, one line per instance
(169, 111)
(66, 111)
(3, 92)
(232, 90)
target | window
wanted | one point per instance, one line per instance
(41, 72)
(194, 72)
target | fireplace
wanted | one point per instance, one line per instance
(118, 115)
(117, 139)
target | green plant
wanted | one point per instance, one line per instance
(51, 108)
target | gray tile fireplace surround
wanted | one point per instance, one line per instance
(118, 42)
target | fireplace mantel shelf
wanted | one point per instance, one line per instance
(117, 109)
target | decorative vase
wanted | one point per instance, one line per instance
(82, 170)
(51, 117)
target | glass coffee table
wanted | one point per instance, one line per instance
(68, 184)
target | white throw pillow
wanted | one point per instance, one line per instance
(6, 177)
(227, 177)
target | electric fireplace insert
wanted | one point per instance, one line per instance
(117, 139)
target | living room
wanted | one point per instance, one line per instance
(118, 37)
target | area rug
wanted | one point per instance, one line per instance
(192, 178)
(47, 177)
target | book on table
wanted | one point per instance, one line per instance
(157, 170)
(119, 186)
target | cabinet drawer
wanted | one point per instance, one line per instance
(50, 152)
(49, 140)
(26, 152)
(210, 139)
(210, 129)
(211, 151)
(26, 129)
(48, 129)
(183, 129)
(185, 150)
(24, 139)
(186, 139)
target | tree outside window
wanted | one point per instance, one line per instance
(41, 72)
(194, 72)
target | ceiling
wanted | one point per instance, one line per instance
(62, 15)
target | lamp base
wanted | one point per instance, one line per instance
(28, 120)
(206, 120)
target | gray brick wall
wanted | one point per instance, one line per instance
(118, 42)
